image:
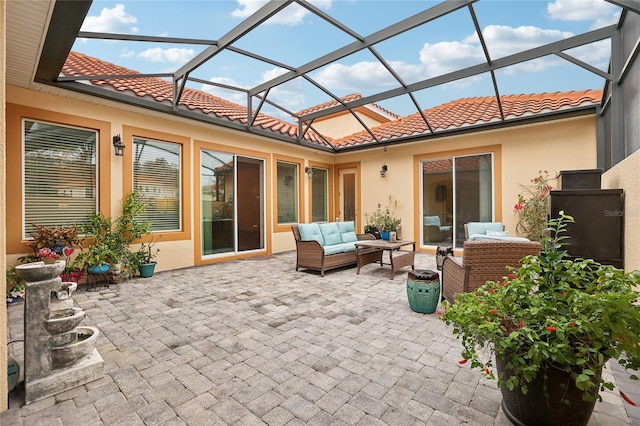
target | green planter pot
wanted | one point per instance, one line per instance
(99, 269)
(146, 269)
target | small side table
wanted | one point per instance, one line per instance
(97, 281)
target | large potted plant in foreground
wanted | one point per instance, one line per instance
(552, 325)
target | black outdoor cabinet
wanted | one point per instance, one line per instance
(597, 231)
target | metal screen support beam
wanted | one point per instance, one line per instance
(384, 34)
(630, 60)
(483, 43)
(257, 18)
(632, 5)
(516, 58)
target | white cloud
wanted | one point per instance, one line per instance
(504, 40)
(114, 20)
(292, 15)
(230, 95)
(290, 95)
(173, 55)
(448, 56)
(600, 12)
(596, 54)
(444, 57)
(127, 53)
(361, 76)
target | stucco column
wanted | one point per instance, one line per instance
(4, 387)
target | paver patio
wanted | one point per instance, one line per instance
(254, 342)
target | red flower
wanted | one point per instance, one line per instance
(463, 361)
(626, 398)
(551, 328)
(512, 276)
(487, 371)
(493, 311)
(521, 324)
(572, 324)
(518, 207)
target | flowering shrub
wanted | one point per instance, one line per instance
(53, 238)
(16, 285)
(72, 274)
(48, 253)
(15, 292)
(532, 208)
(552, 312)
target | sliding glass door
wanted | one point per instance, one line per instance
(232, 203)
(455, 190)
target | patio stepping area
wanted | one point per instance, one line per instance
(253, 342)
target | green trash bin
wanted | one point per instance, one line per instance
(423, 290)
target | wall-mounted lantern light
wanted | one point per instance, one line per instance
(383, 170)
(309, 172)
(118, 145)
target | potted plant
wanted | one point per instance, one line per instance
(96, 258)
(124, 230)
(382, 220)
(552, 325)
(110, 238)
(145, 259)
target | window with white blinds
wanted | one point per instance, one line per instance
(320, 195)
(287, 192)
(157, 176)
(60, 169)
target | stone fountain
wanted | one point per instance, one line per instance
(58, 354)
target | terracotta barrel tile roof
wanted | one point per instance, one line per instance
(78, 64)
(452, 115)
(473, 111)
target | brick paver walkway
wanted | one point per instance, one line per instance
(253, 342)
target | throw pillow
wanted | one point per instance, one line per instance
(497, 233)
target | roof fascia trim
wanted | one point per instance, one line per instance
(66, 19)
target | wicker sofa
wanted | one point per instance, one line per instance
(482, 261)
(325, 246)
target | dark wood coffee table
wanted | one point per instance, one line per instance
(397, 258)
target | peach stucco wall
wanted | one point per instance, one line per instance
(626, 175)
(174, 253)
(519, 152)
(346, 124)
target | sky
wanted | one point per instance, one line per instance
(296, 36)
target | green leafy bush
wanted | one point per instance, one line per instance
(572, 314)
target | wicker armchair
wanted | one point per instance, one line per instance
(483, 261)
